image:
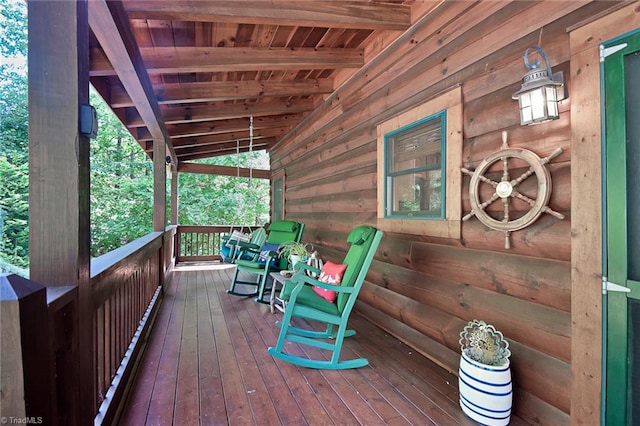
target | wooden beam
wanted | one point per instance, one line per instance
(189, 114)
(110, 24)
(239, 110)
(215, 91)
(159, 186)
(175, 60)
(217, 127)
(224, 148)
(178, 131)
(223, 170)
(175, 196)
(275, 132)
(329, 14)
(217, 150)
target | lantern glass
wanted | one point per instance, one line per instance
(552, 103)
(538, 105)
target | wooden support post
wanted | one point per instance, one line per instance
(25, 359)
(159, 186)
(174, 196)
(59, 235)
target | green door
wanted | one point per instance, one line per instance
(622, 266)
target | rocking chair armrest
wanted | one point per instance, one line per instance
(247, 246)
(301, 277)
(301, 267)
(333, 287)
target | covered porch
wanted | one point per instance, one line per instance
(206, 362)
(199, 355)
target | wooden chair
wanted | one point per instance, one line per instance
(279, 232)
(302, 301)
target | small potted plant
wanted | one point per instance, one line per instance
(484, 377)
(294, 251)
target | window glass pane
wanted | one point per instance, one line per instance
(414, 169)
(419, 192)
(416, 147)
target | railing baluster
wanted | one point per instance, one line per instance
(200, 243)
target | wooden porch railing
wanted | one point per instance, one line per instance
(202, 243)
(127, 284)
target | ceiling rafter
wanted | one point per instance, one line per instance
(214, 91)
(226, 137)
(329, 14)
(179, 131)
(175, 60)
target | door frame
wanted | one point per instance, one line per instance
(615, 262)
(586, 207)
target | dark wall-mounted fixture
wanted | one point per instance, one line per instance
(168, 159)
(88, 121)
(541, 91)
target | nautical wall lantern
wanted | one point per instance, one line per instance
(540, 92)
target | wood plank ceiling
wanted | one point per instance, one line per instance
(194, 72)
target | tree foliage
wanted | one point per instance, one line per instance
(121, 172)
(226, 200)
(121, 184)
(14, 157)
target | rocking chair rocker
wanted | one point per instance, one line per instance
(302, 301)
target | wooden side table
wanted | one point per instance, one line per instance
(274, 301)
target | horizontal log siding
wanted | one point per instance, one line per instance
(424, 289)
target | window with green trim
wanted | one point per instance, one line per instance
(415, 173)
(418, 172)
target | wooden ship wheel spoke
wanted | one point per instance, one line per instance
(505, 189)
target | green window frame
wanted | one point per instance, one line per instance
(415, 169)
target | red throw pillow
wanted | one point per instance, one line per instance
(331, 273)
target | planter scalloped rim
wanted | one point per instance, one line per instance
(483, 343)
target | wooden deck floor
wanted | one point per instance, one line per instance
(206, 362)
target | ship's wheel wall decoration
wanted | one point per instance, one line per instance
(506, 189)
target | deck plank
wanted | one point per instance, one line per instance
(291, 389)
(140, 394)
(243, 333)
(206, 363)
(210, 317)
(187, 401)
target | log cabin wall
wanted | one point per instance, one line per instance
(425, 289)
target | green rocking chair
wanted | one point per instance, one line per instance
(302, 301)
(279, 232)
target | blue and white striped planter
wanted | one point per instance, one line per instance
(486, 392)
